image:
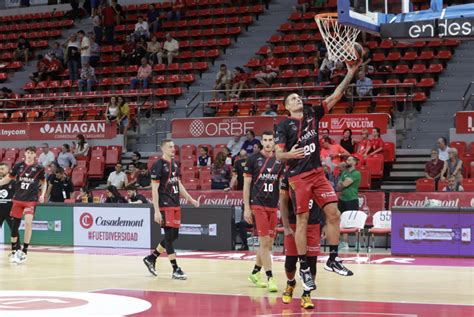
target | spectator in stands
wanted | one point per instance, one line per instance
(6, 93)
(97, 23)
(346, 142)
(228, 157)
(152, 50)
(376, 144)
(367, 59)
(127, 51)
(85, 47)
(237, 181)
(23, 49)
(257, 148)
(88, 78)
(73, 56)
(95, 4)
(235, 145)
(136, 157)
(338, 74)
(177, 10)
(453, 166)
(42, 66)
(132, 174)
(124, 119)
(363, 147)
(82, 147)
(443, 149)
(249, 143)
(117, 178)
(53, 168)
(143, 75)
(223, 81)
(434, 167)
(113, 110)
(141, 29)
(204, 159)
(60, 187)
(269, 111)
(220, 173)
(118, 11)
(325, 133)
(453, 185)
(85, 196)
(134, 197)
(144, 178)
(95, 51)
(270, 69)
(363, 85)
(327, 66)
(55, 68)
(109, 21)
(57, 51)
(239, 82)
(65, 157)
(333, 153)
(114, 196)
(139, 51)
(170, 49)
(46, 157)
(153, 18)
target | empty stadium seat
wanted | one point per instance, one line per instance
(375, 165)
(389, 152)
(151, 161)
(425, 184)
(468, 184)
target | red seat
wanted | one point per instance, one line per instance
(426, 55)
(11, 154)
(188, 163)
(460, 146)
(96, 167)
(425, 184)
(442, 184)
(426, 82)
(190, 184)
(188, 149)
(365, 178)
(112, 157)
(389, 152)
(205, 184)
(151, 161)
(418, 68)
(188, 174)
(79, 178)
(468, 184)
(375, 165)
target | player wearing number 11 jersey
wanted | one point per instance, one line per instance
(262, 175)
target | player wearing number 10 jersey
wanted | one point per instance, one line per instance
(298, 143)
(262, 174)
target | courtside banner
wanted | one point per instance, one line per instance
(228, 127)
(119, 227)
(422, 199)
(64, 130)
(465, 122)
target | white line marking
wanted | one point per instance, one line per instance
(339, 313)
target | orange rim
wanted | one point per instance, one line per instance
(326, 16)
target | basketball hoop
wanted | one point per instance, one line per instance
(339, 38)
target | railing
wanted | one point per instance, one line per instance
(467, 96)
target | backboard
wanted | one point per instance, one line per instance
(409, 19)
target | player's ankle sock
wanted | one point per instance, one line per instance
(155, 254)
(25, 247)
(269, 274)
(256, 269)
(306, 293)
(174, 264)
(14, 246)
(291, 282)
(333, 252)
(303, 262)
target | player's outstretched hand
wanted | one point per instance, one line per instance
(296, 153)
(354, 67)
(248, 216)
(158, 218)
(195, 203)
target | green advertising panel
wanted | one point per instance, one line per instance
(52, 225)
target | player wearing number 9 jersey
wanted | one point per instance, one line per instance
(262, 174)
(297, 140)
(30, 181)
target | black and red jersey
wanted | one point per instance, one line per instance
(28, 181)
(167, 174)
(303, 132)
(265, 172)
(315, 213)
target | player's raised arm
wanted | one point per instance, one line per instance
(184, 193)
(339, 91)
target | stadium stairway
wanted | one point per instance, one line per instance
(437, 113)
(408, 167)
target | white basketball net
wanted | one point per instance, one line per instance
(339, 38)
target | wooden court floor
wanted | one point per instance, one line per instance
(98, 270)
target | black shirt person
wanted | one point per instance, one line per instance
(6, 195)
(59, 186)
(134, 197)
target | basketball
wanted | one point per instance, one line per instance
(358, 51)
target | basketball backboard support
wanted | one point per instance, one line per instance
(398, 19)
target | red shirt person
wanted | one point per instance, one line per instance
(363, 147)
(335, 152)
(376, 144)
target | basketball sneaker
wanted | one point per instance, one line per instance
(306, 280)
(336, 266)
(150, 263)
(271, 285)
(306, 302)
(179, 274)
(287, 296)
(19, 257)
(11, 257)
(256, 279)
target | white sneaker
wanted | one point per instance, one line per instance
(20, 257)
(11, 257)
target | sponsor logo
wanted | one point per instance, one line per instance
(196, 128)
(227, 127)
(446, 28)
(422, 202)
(117, 222)
(73, 128)
(21, 303)
(86, 220)
(3, 194)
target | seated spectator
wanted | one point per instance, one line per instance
(65, 157)
(235, 145)
(132, 174)
(270, 69)
(144, 178)
(117, 178)
(152, 50)
(269, 112)
(118, 11)
(60, 186)
(223, 80)
(453, 185)
(134, 197)
(73, 56)
(153, 18)
(55, 68)
(113, 110)
(41, 73)
(170, 49)
(249, 143)
(46, 157)
(109, 21)
(57, 51)
(85, 196)
(204, 159)
(127, 50)
(85, 47)
(346, 142)
(237, 181)
(327, 66)
(453, 166)
(177, 11)
(139, 51)
(367, 59)
(333, 153)
(82, 147)
(443, 149)
(220, 173)
(257, 147)
(114, 196)
(363, 85)
(338, 74)
(228, 160)
(434, 167)
(88, 78)
(376, 144)
(326, 133)
(239, 82)
(95, 51)
(136, 157)
(363, 147)
(23, 49)
(143, 75)
(141, 29)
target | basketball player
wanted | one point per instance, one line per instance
(166, 190)
(261, 189)
(288, 218)
(29, 181)
(6, 195)
(298, 144)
